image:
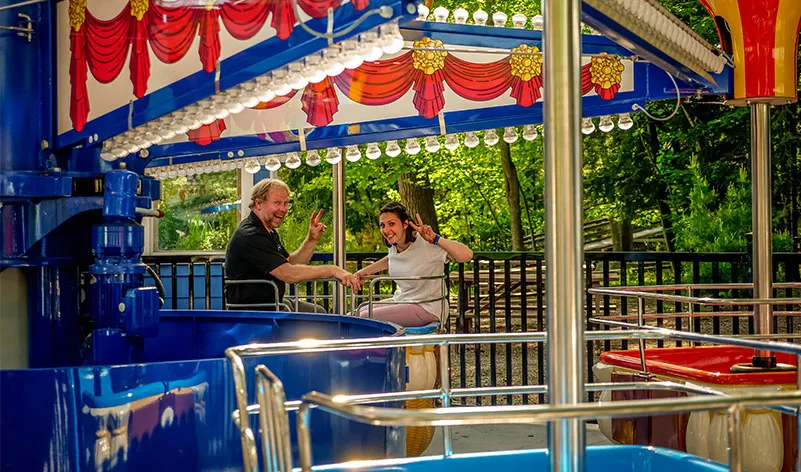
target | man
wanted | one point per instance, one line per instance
(255, 252)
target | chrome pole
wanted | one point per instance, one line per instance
(761, 220)
(563, 221)
(340, 295)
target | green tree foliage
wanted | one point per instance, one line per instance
(183, 227)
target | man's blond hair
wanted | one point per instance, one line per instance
(262, 188)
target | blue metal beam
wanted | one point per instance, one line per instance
(502, 38)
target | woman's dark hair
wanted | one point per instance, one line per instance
(403, 214)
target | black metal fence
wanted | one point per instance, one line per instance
(505, 292)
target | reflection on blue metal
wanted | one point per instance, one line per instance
(173, 412)
(598, 459)
(220, 208)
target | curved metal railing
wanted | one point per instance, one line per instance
(371, 301)
(650, 292)
(272, 404)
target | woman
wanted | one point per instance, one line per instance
(414, 250)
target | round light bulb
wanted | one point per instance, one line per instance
(333, 156)
(272, 163)
(332, 63)
(252, 166)
(451, 142)
(314, 70)
(499, 19)
(624, 121)
(537, 22)
(107, 152)
(296, 78)
(352, 153)
(460, 16)
(519, 20)
(221, 104)
(422, 12)
(530, 132)
(441, 14)
(248, 97)
(490, 137)
(373, 152)
(471, 140)
(280, 85)
(587, 126)
(312, 158)
(292, 160)
(233, 100)
(606, 124)
(264, 91)
(349, 50)
(391, 39)
(432, 144)
(392, 150)
(370, 48)
(509, 134)
(480, 17)
(412, 147)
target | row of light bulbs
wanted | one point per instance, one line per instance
(606, 124)
(480, 18)
(347, 54)
(292, 160)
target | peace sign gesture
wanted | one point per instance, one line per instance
(316, 228)
(424, 230)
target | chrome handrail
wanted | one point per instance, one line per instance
(374, 279)
(647, 291)
(445, 393)
(531, 414)
(644, 293)
(276, 306)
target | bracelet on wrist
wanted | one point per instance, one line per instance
(436, 240)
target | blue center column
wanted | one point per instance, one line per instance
(123, 312)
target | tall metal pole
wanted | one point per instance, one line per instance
(761, 221)
(563, 222)
(340, 304)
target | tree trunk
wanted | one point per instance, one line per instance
(418, 197)
(622, 235)
(661, 191)
(512, 187)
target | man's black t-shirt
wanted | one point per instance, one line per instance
(253, 253)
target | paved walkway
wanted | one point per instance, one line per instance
(503, 438)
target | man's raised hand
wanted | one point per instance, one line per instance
(316, 228)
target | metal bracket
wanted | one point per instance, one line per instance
(26, 28)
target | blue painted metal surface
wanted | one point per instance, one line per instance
(174, 411)
(26, 93)
(599, 459)
(500, 38)
(122, 311)
(219, 208)
(256, 60)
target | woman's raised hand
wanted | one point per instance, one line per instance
(423, 230)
